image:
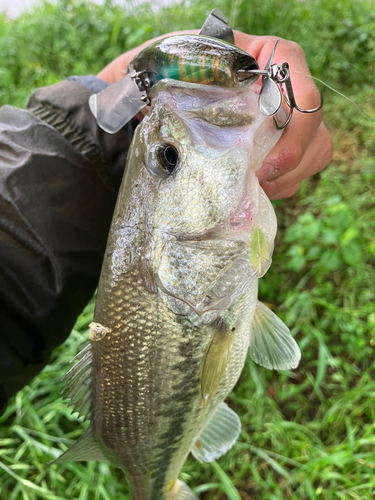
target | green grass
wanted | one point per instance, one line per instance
(307, 434)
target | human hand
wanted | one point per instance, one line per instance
(305, 147)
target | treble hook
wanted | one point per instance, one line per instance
(270, 97)
(289, 96)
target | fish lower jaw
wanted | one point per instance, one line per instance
(238, 225)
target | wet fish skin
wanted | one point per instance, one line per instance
(147, 403)
(177, 287)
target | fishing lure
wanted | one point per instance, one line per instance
(188, 58)
(194, 59)
(209, 58)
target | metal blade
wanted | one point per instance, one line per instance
(217, 26)
(116, 105)
(270, 97)
(269, 62)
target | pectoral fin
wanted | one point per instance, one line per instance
(215, 362)
(271, 344)
(218, 436)
(259, 251)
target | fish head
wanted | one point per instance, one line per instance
(203, 146)
(191, 179)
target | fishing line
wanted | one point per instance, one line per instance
(334, 90)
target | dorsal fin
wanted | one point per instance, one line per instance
(78, 383)
(84, 449)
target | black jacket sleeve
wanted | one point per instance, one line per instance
(59, 175)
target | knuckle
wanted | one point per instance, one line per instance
(324, 147)
(284, 161)
(293, 190)
(313, 96)
(287, 193)
(270, 39)
(296, 49)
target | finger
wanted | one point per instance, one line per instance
(139, 116)
(317, 156)
(292, 146)
(117, 68)
(288, 193)
(289, 151)
(260, 47)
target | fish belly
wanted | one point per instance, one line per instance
(147, 407)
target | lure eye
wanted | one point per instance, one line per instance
(162, 160)
(168, 157)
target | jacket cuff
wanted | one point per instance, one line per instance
(65, 107)
(91, 82)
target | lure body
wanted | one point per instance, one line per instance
(195, 59)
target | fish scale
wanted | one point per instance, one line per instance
(153, 347)
(138, 342)
(158, 431)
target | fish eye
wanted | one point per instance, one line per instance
(168, 157)
(161, 160)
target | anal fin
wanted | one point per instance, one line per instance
(218, 436)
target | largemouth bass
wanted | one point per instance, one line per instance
(177, 309)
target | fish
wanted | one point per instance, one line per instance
(177, 308)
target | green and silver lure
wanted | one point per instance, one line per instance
(209, 58)
(194, 59)
(187, 58)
